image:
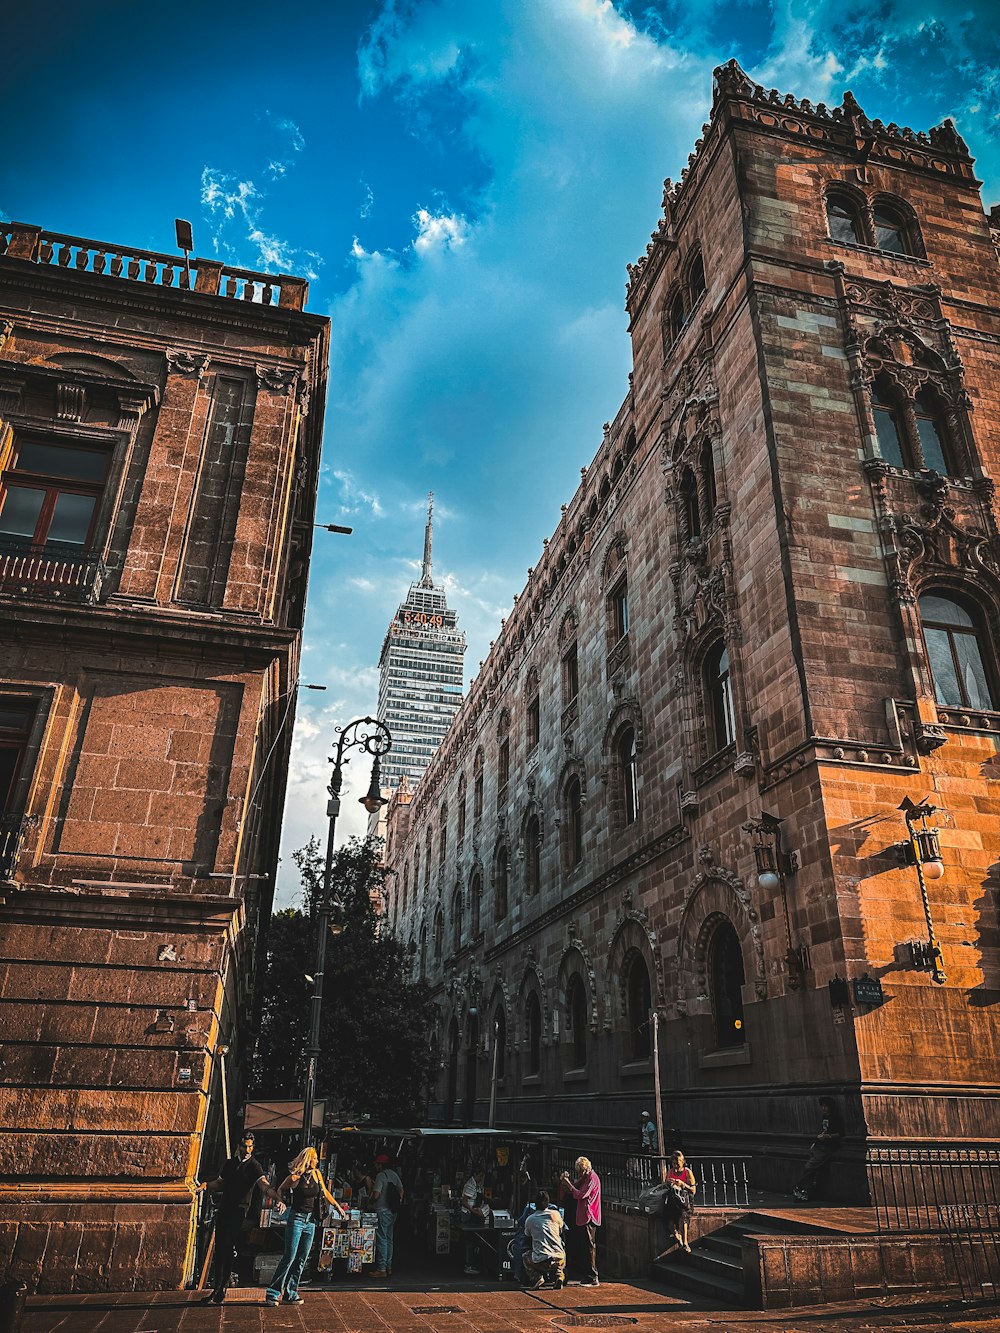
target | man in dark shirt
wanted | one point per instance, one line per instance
(234, 1184)
(823, 1147)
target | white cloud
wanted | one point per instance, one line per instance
(441, 231)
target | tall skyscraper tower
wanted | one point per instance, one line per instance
(420, 673)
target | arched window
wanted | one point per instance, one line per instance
(476, 903)
(689, 505)
(891, 231)
(423, 952)
(428, 857)
(696, 279)
(574, 822)
(638, 1002)
(461, 807)
(708, 486)
(438, 936)
(406, 883)
(676, 318)
(628, 775)
(533, 1033)
(532, 855)
(719, 690)
(843, 217)
(456, 920)
(531, 712)
(500, 885)
(443, 843)
(932, 433)
(500, 1043)
(725, 979)
(958, 651)
(477, 788)
(892, 442)
(503, 757)
(416, 871)
(570, 675)
(577, 1019)
(618, 610)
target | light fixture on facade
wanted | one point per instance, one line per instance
(922, 850)
(774, 866)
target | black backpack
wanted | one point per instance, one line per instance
(393, 1198)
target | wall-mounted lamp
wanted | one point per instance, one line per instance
(922, 850)
(774, 865)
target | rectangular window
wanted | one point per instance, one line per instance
(221, 470)
(16, 718)
(618, 613)
(50, 494)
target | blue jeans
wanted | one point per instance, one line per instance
(299, 1231)
(383, 1239)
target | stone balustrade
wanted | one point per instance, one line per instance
(19, 240)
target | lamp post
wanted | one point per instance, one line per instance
(375, 738)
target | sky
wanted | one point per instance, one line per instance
(463, 183)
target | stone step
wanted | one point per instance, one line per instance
(722, 1243)
(726, 1290)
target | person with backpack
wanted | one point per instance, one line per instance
(386, 1199)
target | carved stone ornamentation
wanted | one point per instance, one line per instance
(71, 402)
(278, 379)
(182, 362)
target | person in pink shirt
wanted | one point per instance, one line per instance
(586, 1190)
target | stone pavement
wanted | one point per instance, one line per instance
(463, 1307)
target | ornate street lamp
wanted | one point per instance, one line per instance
(922, 850)
(774, 866)
(375, 738)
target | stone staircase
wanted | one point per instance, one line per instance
(714, 1268)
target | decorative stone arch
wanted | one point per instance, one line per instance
(628, 711)
(615, 559)
(568, 629)
(631, 932)
(715, 893)
(576, 960)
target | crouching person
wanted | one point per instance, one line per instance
(545, 1263)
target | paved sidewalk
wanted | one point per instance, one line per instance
(456, 1307)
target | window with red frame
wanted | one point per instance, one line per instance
(50, 494)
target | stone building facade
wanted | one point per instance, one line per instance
(769, 616)
(158, 469)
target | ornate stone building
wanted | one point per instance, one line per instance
(158, 472)
(769, 616)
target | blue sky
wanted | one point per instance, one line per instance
(463, 181)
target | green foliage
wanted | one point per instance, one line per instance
(376, 1025)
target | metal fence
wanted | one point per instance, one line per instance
(946, 1190)
(722, 1181)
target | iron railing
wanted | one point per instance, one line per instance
(947, 1190)
(46, 571)
(722, 1181)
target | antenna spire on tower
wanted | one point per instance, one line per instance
(426, 580)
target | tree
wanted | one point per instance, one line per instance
(376, 1056)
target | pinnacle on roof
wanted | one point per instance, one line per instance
(426, 579)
